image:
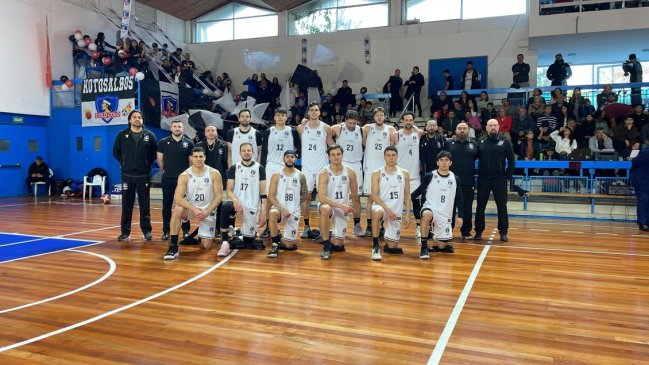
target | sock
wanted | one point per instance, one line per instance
(424, 242)
(375, 242)
(224, 237)
(277, 239)
(306, 222)
(357, 221)
(174, 240)
(369, 222)
(326, 245)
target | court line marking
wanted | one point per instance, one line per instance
(111, 270)
(120, 309)
(436, 356)
(59, 237)
(49, 252)
(565, 250)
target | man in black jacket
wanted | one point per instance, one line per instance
(493, 176)
(38, 172)
(465, 152)
(430, 144)
(135, 149)
(395, 83)
(413, 87)
(559, 72)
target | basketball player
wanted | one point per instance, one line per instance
(376, 138)
(338, 194)
(406, 141)
(390, 191)
(198, 193)
(349, 136)
(287, 192)
(244, 133)
(315, 136)
(442, 192)
(277, 140)
(246, 190)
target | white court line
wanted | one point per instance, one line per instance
(575, 232)
(59, 237)
(607, 234)
(538, 230)
(120, 309)
(436, 356)
(110, 272)
(47, 253)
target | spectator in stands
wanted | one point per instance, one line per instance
(600, 141)
(634, 69)
(588, 108)
(187, 63)
(520, 125)
(168, 69)
(521, 72)
(489, 113)
(471, 78)
(458, 108)
(510, 110)
(395, 87)
(368, 112)
(464, 99)
(577, 132)
(165, 50)
(602, 122)
(450, 123)
(413, 88)
(448, 80)
(565, 115)
(577, 104)
(483, 101)
(547, 119)
(559, 72)
(275, 90)
(624, 134)
(344, 95)
(219, 83)
(640, 118)
(155, 52)
(101, 43)
(504, 124)
(176, 57)
(555, 95)
(439, 103)
(544, 137)
(616, 113)
(644, 134)
(633, 146)
(472, 108)
(475, 128)
(38, 172)
(529, 147)
(603, 97)
(536, 92)
(227, 82)
(564, 141)
(253, 84)
(639, 180)
(588, 127)
(535, 110)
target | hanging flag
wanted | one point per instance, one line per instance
(48, 57)
(126, 17)
(368, 50)
(303, 59)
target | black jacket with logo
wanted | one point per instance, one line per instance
(135, 157)
(493, 154)
(464, 156)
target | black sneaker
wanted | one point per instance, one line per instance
(335, 248)
(325, 255)
(504, 238)
(368, 231)
(423, 253)
(392, 251)
(172, 253)
(434, 249)
(274, 250)
(467, 236)
(124, 237)
(148, 236)
(448, 249)
(165, 236)
(477, 237)
(286, 248)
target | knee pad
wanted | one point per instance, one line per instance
(227, 214)
(416, 207)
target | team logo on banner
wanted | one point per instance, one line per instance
(105, 106)
(169, 106)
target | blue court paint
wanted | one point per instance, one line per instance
(39, 247)
(11, 238)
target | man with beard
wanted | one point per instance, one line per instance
(395, 83)
(390, 193)
(198, 194)
(174, 156)
(430, 145)
(559, 72)
(315, 136)
(287, 192)
(493, 175)
(338, 194)
(244, 133)
(442, 196)
(349, 136)
(376, 138)
(464, 151)
(246, 191)
(413, 87)
(216, 156)
(406, 141)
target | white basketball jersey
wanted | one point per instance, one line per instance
(352, 144)
(440, 194)
(338, 185)
(376, 142)
(314, 148)
(278, 142)
(246, 185)
(288, 191)
(238, 138)
(200, 188)
(408, 148)
(392, 189)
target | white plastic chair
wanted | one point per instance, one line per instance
(36, 183)
(97, 180)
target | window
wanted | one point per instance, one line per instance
(97, 143)
(326, 16)
(4, 145)
(32, 145)
(235, 21)
(436, 10)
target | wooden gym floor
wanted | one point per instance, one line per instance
(560, 292)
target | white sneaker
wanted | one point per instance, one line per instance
(225, 249)
(376, 254)
(418, 231)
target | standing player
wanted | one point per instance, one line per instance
(246, 190)
(376, 138)
(198, 193)
(349, 136)
(286, 193)
(390, 191)
(244, 133)
(315, 135)
(338, 194)
(277, 140)
(216, 156)
(442, 194)
(406, 141)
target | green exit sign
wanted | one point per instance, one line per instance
(18, 120)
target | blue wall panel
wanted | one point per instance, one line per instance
(12, 180)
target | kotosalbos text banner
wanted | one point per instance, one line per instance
(107, 101)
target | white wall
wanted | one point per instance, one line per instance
(22, 35)
(392, 47)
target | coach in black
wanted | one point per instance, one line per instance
(174, 153)
(135, 149)
(493, 176)
(465, 152)
(430, 144)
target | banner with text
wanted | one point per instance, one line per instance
(107, 101)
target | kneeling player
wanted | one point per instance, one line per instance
(442, 195)
(287, 191)
(198, 194)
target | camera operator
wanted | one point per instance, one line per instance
(633, 69)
